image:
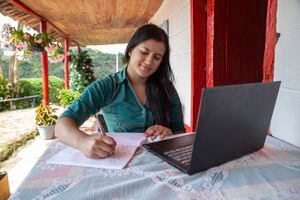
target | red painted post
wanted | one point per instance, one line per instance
(198, 56)
(210, 43)
(44, 59)
(269, 53)
(66, 69)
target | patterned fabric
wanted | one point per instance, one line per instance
(271, 173)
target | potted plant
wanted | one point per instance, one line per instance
(45, 120)
(4, 185)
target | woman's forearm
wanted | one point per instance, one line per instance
(67, 131)
(92, 146)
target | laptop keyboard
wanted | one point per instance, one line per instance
(182, 155)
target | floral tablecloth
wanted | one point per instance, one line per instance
(271, 173)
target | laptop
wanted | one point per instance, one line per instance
(233, 121)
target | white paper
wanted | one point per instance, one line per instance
(127, 143)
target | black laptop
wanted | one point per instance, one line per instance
(233, 121)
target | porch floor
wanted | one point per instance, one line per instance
(14, 124)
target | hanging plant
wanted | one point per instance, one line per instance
(56, 52)
(23, 41)
(82, 73)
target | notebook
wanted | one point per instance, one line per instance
(233, 121)
(127, 143)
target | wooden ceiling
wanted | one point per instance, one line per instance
(85, 22)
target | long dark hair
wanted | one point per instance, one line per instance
(159, 86)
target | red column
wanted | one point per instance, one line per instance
(66, 69)
(210, 43)
(269, 53)
(44, 59)
(198, 57)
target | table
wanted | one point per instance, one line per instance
(271, 173)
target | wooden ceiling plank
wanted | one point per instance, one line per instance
(83, 20)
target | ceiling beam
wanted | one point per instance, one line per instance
(28, 10)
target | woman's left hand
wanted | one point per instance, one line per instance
(158, 130)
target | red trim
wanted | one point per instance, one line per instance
(198, 52)
(187, 128)
(269, 53)
(44, 59)
(210, 43)
(66, 69)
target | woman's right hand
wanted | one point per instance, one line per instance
(97, 146)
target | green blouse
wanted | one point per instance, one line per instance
(122, 110)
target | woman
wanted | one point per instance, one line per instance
(140, 98)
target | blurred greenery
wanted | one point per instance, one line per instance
(29, 87)
(81, 70)
(30, 73)
(33, 86)
(7, 148)
(104, 64)
(66, 97)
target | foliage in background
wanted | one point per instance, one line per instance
(33, 86)
(45, 115)
(82, 73)
(56, 52)
(8, 148)
(32, 68)
(55, 84)
(29, 87)
(104, 64)
(66, 97)
(6, 90)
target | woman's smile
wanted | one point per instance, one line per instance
(145, 58)
(145, 68)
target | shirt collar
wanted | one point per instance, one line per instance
(121, 75)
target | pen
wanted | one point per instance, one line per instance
(99, 119)
(101, 123)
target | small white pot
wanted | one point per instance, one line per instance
(46, 132)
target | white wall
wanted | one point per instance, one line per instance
(286, 118)
(178, 14)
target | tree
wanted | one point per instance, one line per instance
(13, 75)
(1, 64)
